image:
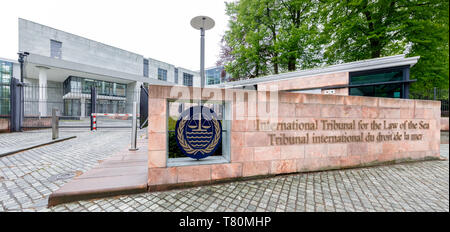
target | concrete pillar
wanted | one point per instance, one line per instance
(136, 90)
(83, 107)
(43, 91)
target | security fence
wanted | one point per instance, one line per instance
(74, 106)
(433, 94)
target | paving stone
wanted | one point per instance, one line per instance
(419, 186)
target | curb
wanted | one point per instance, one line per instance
(34, 146)
(64, 198)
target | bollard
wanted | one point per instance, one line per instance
(55, 124)
(94, 122)
(134, 128)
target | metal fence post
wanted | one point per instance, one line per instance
(55, 124)
(434, 93)
(16, 105)
(134, 128)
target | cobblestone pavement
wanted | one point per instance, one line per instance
(13, 141)
(419, 186)
(27, 178)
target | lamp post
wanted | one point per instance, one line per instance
(202, 23)
(22, 56)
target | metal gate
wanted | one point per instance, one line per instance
(32, 105)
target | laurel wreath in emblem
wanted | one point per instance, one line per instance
(188, 149)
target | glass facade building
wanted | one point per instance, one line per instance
(80, 85)
(6, 69)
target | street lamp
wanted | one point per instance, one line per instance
(202, 23)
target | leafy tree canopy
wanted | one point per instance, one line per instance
(273, 36)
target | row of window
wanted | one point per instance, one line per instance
(187, 78)
(56, 52)
(84, 85)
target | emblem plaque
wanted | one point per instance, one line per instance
(198, 132)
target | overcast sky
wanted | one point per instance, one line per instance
(159, 29)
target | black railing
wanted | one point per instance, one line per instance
(433, 94)
(39, 101)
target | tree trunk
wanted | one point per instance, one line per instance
(291, 64)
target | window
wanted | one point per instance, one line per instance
(55, 49)
(391, 91)
(377, 77)
(391, 83)
(213, 76)
(162, 74)
(120, 90)
(176, 76)
(145, 67)
(72, 107)
(187, 79)
(87, 85)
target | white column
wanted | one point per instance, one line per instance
(137, 97)
(43, 91)
(83, 107)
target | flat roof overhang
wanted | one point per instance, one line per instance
(363, 65)
(355, 85)
(58, 70)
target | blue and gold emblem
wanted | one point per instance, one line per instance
(198, 132)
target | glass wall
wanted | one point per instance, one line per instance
(73, 84)
(392, 91)
(6, 69)
(72, 107)
(380, 83)
(84, 85)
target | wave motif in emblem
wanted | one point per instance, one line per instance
(201, 133)
(199, 137)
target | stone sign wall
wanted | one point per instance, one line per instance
(278, 132)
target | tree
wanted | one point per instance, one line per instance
(362, 29)
(269, 37)
(427, 31)
(273, 36)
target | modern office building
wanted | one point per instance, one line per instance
(64, 67)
